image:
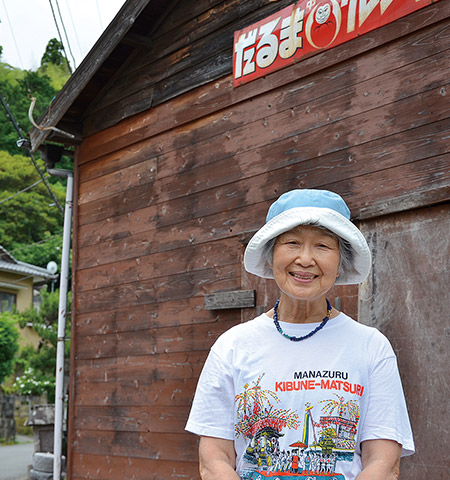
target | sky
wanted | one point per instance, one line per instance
(26, 26)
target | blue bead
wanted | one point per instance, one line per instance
(298, 339)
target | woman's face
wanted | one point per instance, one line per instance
(305, 262)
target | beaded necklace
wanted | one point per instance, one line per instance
(310, 334)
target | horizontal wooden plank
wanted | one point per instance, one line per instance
(113, 467)
(230, 300)
(139, 197)
(185, 12)
(221, 18)
(424, 183)
(139, 370)
(130, 221)
(246, 129)
(143, 173)
(356, 130)
(189, 259)
(240, 220)
(160, 418)
(153, 446)
(159, 290)
(112, 393)
(408, 146)
(185, 311)
(185, 338)
(205, 100)
(415, 144)
(199, 230)
(199, 51)
(345, 76)
(375, 124)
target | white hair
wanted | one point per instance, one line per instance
(346, 252)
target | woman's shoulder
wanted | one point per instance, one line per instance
(370, 335)
(242, 332)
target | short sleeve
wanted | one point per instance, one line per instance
(387, 416)
(212, 412)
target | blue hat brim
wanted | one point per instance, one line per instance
(255, 258)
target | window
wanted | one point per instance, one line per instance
(7, 301)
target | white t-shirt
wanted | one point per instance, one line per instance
(301, 409)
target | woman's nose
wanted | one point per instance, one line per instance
(305, 256)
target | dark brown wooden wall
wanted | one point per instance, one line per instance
(167, 198)
(405, 298)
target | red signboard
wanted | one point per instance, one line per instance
(308, 27)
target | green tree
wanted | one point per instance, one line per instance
(30, 225)
(36, 367)
(9, 344)
(17, 94)
(54, 64)
(40, 253)
(29, 217)
(18, 86)
(54, 53)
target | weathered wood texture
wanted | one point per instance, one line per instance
(404, 299)
(227, 300)
(167, 198)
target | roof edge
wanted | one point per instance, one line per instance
(101, 50)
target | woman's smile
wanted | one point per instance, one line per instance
(303, 276)
(305, 262)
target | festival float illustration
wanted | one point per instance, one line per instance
(323, 443)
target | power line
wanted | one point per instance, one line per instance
(65, 34)
(30, 154)
(12, 33)
(59, 34)
(74, 28)
(22, 191)
(23, 247)
(99, 15)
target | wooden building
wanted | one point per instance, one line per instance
(175, 169)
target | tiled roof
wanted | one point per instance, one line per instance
(9, 264)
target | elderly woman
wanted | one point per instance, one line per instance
(302, 391)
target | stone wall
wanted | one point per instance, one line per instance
(7, 422)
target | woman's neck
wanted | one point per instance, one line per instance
(302, 311)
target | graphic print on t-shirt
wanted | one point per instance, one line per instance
(325, 432)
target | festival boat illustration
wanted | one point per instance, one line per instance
(314, 457)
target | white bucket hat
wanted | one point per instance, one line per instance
(316, 207)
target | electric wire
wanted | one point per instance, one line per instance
(59, 34)
(12, 33)
(65, 34)
(99, 15)
(30, 153)
(23, 247)
(80, 50)
(21, 191)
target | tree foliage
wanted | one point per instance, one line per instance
(54, 64)
(54, 53)
(30, 217)
(9, 344)
(18, 95)
(18, 86)
(30, 225)
(35, 368)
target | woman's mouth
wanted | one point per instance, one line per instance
(306, 277)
